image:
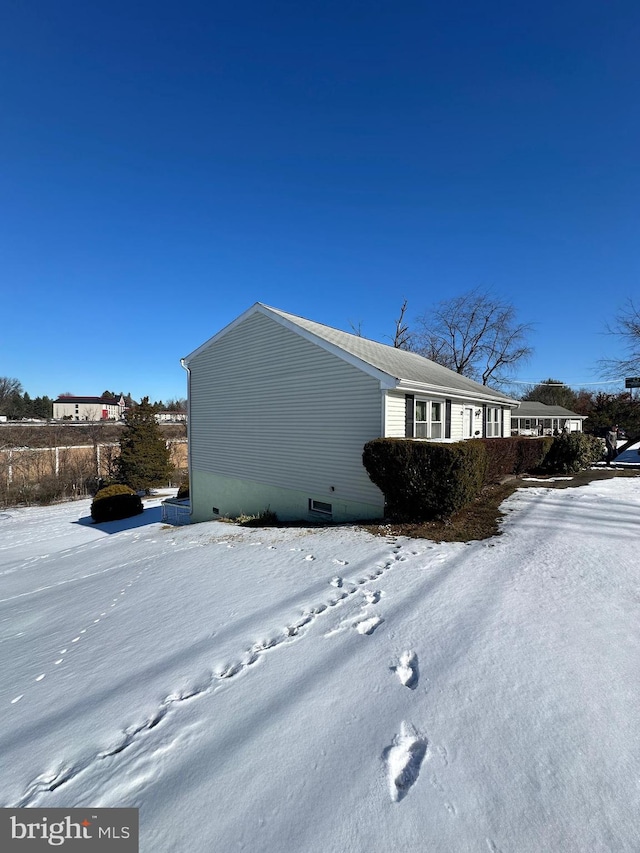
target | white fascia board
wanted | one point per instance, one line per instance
(410, 387)
(255, 307)
(386, 380)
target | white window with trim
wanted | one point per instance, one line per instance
(493, 422)
(428, 419)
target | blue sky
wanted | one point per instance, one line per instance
(163, 166)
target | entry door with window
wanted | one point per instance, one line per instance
(468, 422)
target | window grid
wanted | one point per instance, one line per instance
(428, 419)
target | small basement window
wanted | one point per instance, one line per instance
(320, 506)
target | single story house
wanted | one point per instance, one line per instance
(280, 408)
(534, 418)
(67, 407)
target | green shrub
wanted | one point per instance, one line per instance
(573, 452)
(115, 502)
(423, 480)
(532, 453)
(502, 457)
(183, 489)
(111, 490)
(513, 455)
(145, 459)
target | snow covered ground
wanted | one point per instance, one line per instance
(326, 690)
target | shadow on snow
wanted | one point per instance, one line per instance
(153, 515)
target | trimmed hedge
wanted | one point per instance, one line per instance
(533, 453)
(514, 455)
(422, 480)
(115, 502)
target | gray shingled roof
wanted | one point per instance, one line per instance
(533, 409)
(406, 366)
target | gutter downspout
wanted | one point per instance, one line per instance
(188, 369)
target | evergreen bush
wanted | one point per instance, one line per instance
(423, 480)
(502, 457)
(514, 455)
(532, 453)
(115, 502)
(145, 460)
(573, 452)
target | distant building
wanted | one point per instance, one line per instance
(71, 408)
(533, 418)
(171, 417)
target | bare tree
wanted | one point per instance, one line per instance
(10, 389)
(475, 334)
(626, 328)
(177, 404)
(403, 336)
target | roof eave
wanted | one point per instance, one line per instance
(409, 386)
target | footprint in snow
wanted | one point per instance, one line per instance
(229, 670)
(368, 626)
(403, 760)
(372, 596)
(407, 670)
(337, 582)
(341, 562)
(309, 557)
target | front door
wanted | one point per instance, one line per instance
(468, 422)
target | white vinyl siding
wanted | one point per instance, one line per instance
(457, 414)
(269, 406)
(394, 415)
